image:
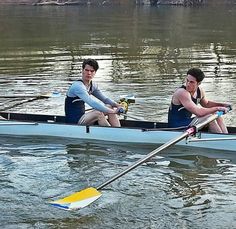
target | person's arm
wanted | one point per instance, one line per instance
(185, 99)
(208, 103)
(79, 90)
(99, 95)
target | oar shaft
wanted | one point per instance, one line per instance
(45, 96)
(20, 103)
(85, 197)
(148, 156)
(130, 116)
(210, 139)
(208, 120)
(5, 123)
(188, 132)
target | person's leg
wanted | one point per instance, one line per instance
(214, 127)
(91, 117)
(221, 124)
(113, 120)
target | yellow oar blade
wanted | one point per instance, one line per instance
(77, 200)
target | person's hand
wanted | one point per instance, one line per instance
(120, 110)
(229, 106)
(123, 104)
(224, 109)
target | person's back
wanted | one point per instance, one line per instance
(81, 91)
(184, 104)
(178, 115)
(74, 105)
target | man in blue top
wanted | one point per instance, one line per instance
(81, 92)
(185, 101)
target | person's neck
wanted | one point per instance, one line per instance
(192, 93)
(87, 83)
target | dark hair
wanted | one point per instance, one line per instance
(197, 73)
(90, 62)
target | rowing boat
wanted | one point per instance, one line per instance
(132, 131)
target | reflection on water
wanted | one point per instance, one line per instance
(141, 51)
(148, 56)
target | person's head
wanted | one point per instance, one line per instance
(92, 63)
(89, 68)
(193, 79)
(196, 73)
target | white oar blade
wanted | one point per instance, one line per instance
(77, 200)
(50, 95)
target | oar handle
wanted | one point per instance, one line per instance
(208, 119)
(230, 108)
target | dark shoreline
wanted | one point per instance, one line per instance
(117, 2)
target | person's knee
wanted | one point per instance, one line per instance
(100, 115)
(220, 120)
(214, 127)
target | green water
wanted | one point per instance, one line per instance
(144, 51)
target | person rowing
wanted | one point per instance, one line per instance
(185, 102)
(84, 91)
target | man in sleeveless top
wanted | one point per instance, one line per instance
(83, 91)
(185, 102)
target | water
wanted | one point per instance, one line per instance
(143, 51)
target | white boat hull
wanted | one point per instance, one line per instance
(112, 134)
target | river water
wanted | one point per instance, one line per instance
(145, 52)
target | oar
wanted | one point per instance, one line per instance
(5, 123)
(211, 139)
(132, 117)
(43, 96)
(87, 196)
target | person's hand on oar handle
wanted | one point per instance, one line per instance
(120, 110)
(225, 109)
(117, 110)
(229, 106)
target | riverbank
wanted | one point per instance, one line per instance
(115, 2)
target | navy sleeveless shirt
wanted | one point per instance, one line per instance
(75, 107)
(179, 116)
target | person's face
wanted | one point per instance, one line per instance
(88, 72)
(191, 84)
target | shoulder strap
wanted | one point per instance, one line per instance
(198, 93)
(91, 85)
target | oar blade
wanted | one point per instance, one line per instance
(49, 95)
(77, 200)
